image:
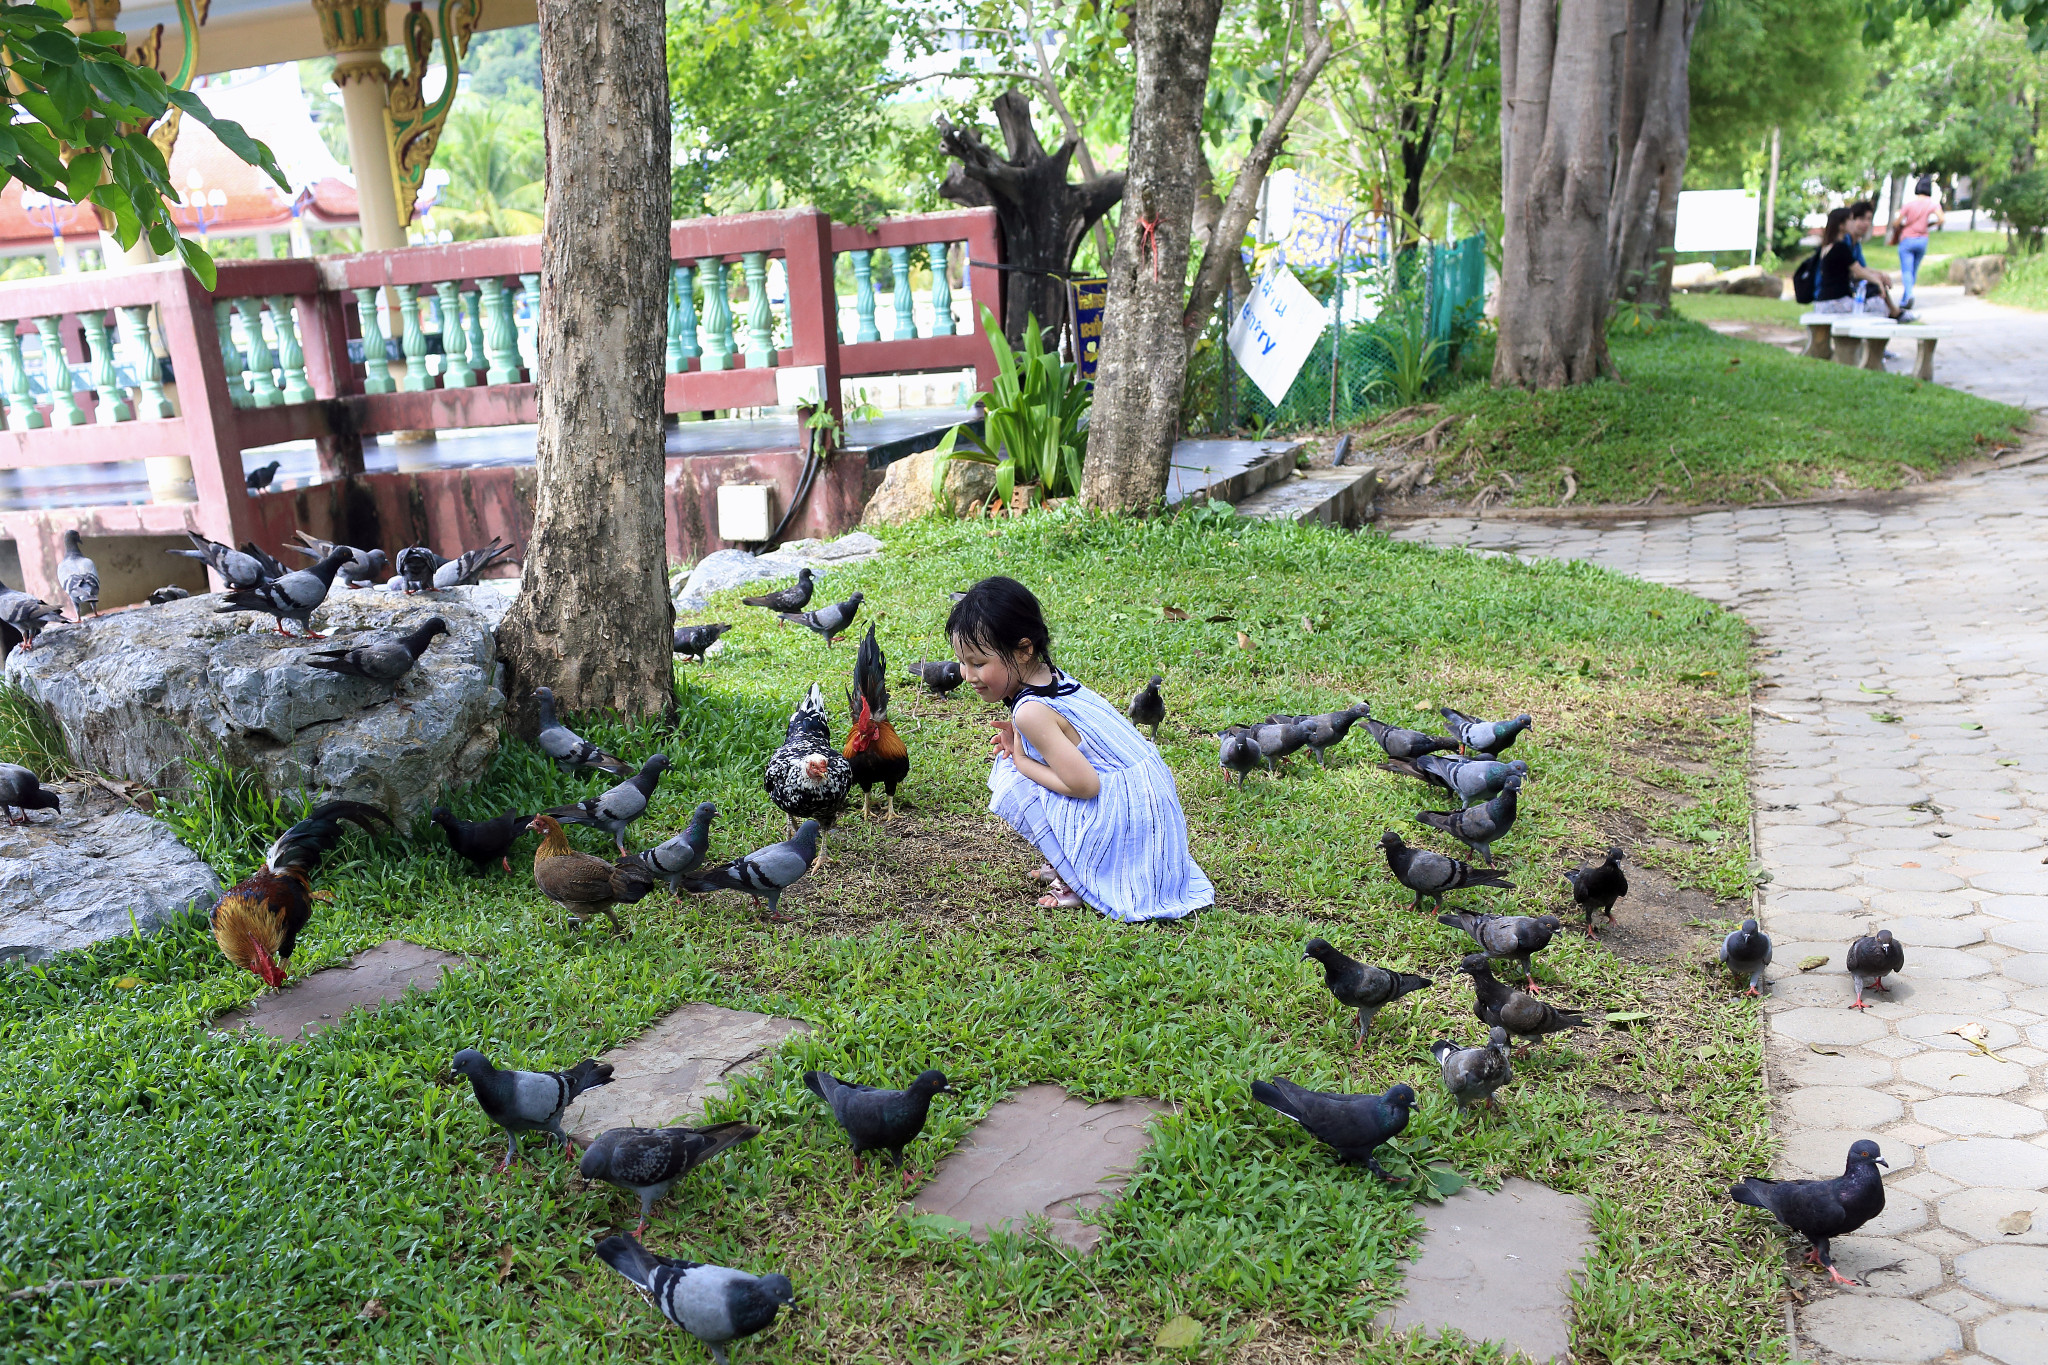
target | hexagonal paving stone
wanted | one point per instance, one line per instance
(2031, 968)
(1922, 960)
(2028, 938)
(1930, 993)
(1826, 1106)
(1924, 930)
(2015, 1338)
(1813, 1153)
(2015, 1275)
(1936, 1030)
(1979, 1115)
(1886, 1266)
(1991, 1161)
(1808, 927)
(1803, 1066)
(1951, 1073)
(1902, 1214)
(2022, 909)
(1864, 1327)
(1977, 1213)
(1813, 1025)
(1807, 902)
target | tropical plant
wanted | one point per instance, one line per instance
(493, 160)
(1410, 358)
(1032, 433)
(2021, 203)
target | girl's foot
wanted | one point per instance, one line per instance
(1061, 898)
(1044, 873)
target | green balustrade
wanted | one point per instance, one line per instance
(686, 318)
(472, 313)
(942, 291)
(150, 400)
(718, 343)
(673, 359)
(230, 354)
(64, 410)
(455, 373)
(112, 407)
(899, 284)
(21, 401)
(412, 340)
(500, 340)
(529, 339)
(760, 320)
(291, 355)
(262, 383)
(864, 297)
(376, 369)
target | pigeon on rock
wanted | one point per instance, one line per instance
(384, 661)
(468, 567)
(1747, 952)
(79, 577)
(1432, 874)
(1360, 985)
(1237, 753)
(22, 618)
(570, 751)
(1472, 1074)
(795, 597)
(620, 806)
(648, 1161)
(1468, 779)
(1822, 1210)
(674, 858)
(940, 676)
(692, 641)
(21, 791)
(1507, 938)
(528, 1101)
(239, 569)
(291, 597)
(1326, 731)
(1355, 1125)
(259, 478)
(417, 566)
(482, 842)
(1489, 737)
(1148, 708)
(362, 569)
(1478, 827)
(1597, 886)
(879, 1120)
(830, 621)
(166, 595)
(1405, 745)
(765, 873)
(1870, 960)
(1522, 1015)
(714, 1304)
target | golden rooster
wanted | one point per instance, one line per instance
(257, 922)
(583, 883)
(874, 750)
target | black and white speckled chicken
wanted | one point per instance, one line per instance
(807, 777)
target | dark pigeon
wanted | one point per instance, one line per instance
(1489, 737)
(830, 621)
(648, 1161)
(1468, 779)
(259, 478)
(879, 1120)
(1237, 754)
(1326, 731)
(79, 577)
(417, 566)
(1276, 742)
(1522, 1015)
(620, 806)
(1871, 960)
(710, 1302)
(1406, 745)
(239, 569)
(940, 676)
(166, 595)
(1432, 874)
(1597, 886)
(571, 752)
(1507, 938)
(292, 596)
(795, 597)
(363, 567)
(1148, 708)
(1360, 985)
(386, 660)
(692, 641)
(528, 1101)
(765, 873)
(21, 791)
(482, 842)
(1822, 1210)
(674, 858)
(468, 567)
(1747, 952)
(1472, 1074)
(1355, 1125)
(1478, 827)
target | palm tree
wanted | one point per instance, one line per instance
(494, 162)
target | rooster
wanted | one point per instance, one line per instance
(874, 750)
(806, 777)
(257, 922)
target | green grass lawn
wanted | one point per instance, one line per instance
(1738, 308)
(1702, 418)
(2025, 284)
(298, 1185)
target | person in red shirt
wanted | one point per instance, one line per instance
(1917, 216)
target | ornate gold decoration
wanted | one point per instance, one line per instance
(351, 26)
(414, 126)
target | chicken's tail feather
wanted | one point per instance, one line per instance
(313, 838)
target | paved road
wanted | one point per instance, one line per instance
(1996, 352)
(1928, 608)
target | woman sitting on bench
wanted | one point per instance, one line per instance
(1844, 284)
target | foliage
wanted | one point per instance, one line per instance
(78, 131)
(1410, 358)
(2025, 284)
(2022, 202)
(1763, 64)
(29, 737)
(1033, 432)
(493, 156)
(1882, 17)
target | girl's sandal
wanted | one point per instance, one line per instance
(1044, 873)
(1061, 898)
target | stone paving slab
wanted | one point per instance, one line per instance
(668, 1073)
(366, 981)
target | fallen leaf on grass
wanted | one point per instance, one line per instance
(1704, 1051)
(1631, 1018)
(1178, 1334)
(1220, 616)
(1308, 627)
(505, 1254)
(1173, 613)
(127, 983)
(1244, 641)
(1823, 1051)
(374, 1310)
(2016, 1222)
(1807, 964)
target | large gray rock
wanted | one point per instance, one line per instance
(141, 694)
(95, 869)
(906, 491)
(1977, 274)
(725, 570)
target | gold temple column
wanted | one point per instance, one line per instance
(355, 33)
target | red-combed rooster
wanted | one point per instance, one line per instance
(874, 750)
(257, 922)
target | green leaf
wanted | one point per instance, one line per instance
(1179, 1334)
(232, 136)
(198, 262)
(1447, 1181)
(69, 92)
(939, 1225)
(55, 45)
(1807, 964)
(1635, 1017)
(82, 176)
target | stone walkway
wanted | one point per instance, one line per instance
(1997, 352)
(1901, 781)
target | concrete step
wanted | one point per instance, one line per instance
(1335, 497)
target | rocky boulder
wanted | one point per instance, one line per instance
(142, 694)
(906, 491)
(1977, 274)
(724, 570)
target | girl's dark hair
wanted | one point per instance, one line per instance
(995, 614)
(1924, 185)
(1832, 233)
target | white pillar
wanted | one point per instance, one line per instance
(362, 77)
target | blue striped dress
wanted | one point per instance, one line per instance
(1124, 852)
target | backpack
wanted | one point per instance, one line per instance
(1806, 279)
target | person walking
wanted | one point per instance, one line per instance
(1916, 217)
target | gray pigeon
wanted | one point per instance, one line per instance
(1489, 737)
(830, 621)
(1472, 1074)
(710, 1302)
(1360, 985)
(1355, 1125)
(1468, 779)
(386, 660)
(1276, 742)
(1328, 730)
(1432, 874)
(692, 641)
(363, 567)
(1237, 754)
(673, 859)
(648, 1161)
(292, 597)
(1507, 938)
(239, 569)
(1822, 1210)
(795, 597)
(79, 577)
(1747, 952)
(620, 806)
(22, 618)
(1522, 1015)
(164, 596)
(467, 567)
(21, 791)
(1597, 886)
(765, 873)
(417, 566)
(1478, 827)
(879, 1120)
(1406, 745)
(1148, 707)
(940, 676)
(259, 478)
(1870, 960)
(528, 1101)
(571, 752)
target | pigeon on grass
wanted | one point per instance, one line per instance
(879, 1120)
(21, 791)
(385, 660)
(1507, 938)
(1472, 1074)
(648, 1161)
(571, 752)
(829, 622)
(1870, 960)
(528, 1101)
(79, 577)
(1432, 874)
(1236, 753)
(795, 597)
(1355, 1125)
(1278, 741)
(1405, 745)
(1747, 952)
(712, 1303)
(1327, 730)
(939, 676)
(1468, 779)
(1822, 1210)
(290, 597)
(1478, 827)
(1148, 707)
(1360, 985)
(1497, 1005)
(677, 856)
(692, 641)
(482, 842)
(620, 806)
(1489, 737)
(1597, 886)
(765, 873)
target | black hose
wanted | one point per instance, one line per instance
(813, 439)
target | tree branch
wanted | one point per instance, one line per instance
(1052, 95)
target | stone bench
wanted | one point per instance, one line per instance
(1819, 334)
(1873, 334)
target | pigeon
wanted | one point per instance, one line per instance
(765, 873)
(1522, 1015)
(795, 597)
(647, 1161)
(1478, 827)
(692, 641)
(1327, 730)
(467, 567)
(1237, 754)
(570, 751)
(1472, 1074)
(1406, 745)
(259, 479)
(1870, 960)
(828, 621)
(879, 1120)
(1507, 938)
(1355, 1125)
(385, 660)
(21, 791)
(528, 1101)
(166, 595)
(1468, 779)
(1821, 1210)
(940, 676)
(1361, 986)
(239, 569)
(714, 1304)
(670, 860)
(1747, 952)
(417, 566)
(293, 596)
(1432, 874)
(1489, 737)
(620, 806)
(363, 567)
(482, 841)
(1147, 709)
(1597, 886)
(22, 618)
(79, 577)
(1276, 742)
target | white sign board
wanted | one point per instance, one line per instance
(1275, 331)
(1717, 220)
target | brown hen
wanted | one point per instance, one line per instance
(583, 883)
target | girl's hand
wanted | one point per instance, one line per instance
(1004, 739)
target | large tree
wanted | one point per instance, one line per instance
(593, 616)
(1654, 126)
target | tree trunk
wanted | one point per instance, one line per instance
(1043, 218)
(1143, 358)
(1559, 72)
(593, 617)
(1655, 136)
